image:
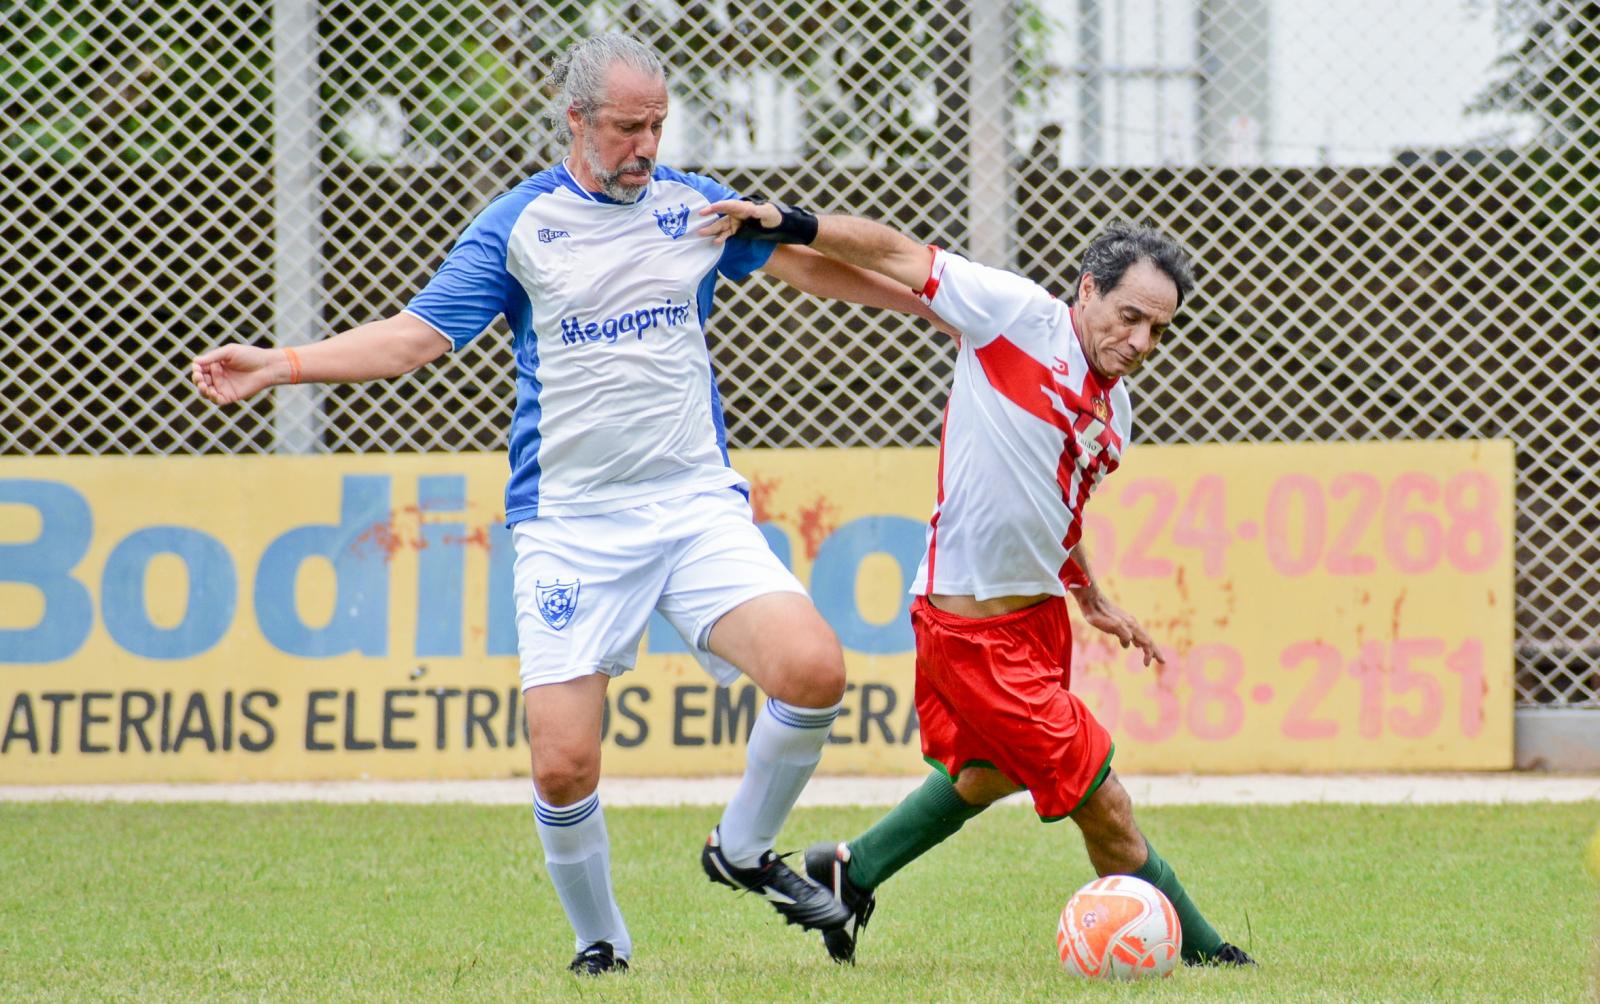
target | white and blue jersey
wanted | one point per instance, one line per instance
(617, 403)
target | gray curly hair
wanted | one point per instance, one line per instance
(578, 79)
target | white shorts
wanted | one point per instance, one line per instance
(585, 585)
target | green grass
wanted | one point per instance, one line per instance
(317, 902)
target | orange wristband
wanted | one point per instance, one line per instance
(294, 364)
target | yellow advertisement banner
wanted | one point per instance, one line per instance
(1323, 607)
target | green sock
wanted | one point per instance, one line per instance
(1200, 939)
(925, 817)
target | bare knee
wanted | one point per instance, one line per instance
(1109, 808)
(782, 643)
(809, 674)
(1110, 834)
(563, 777)
(983, 785)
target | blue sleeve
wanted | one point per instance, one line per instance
(470, 288)
(740, 257)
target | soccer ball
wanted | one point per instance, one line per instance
(1119, 928)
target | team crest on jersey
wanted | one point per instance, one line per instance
(1101, 409)
(673, 222)
(557, 602)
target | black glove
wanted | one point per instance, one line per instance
(795, 226)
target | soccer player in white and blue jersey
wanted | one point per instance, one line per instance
(621, 498)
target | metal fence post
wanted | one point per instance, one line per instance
(1235, 94)
(296, 209)
(989, 196)
(1091, 99)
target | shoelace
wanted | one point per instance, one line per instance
(774, 866)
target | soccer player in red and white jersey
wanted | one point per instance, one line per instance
(1038, 415)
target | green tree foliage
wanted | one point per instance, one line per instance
(87, 82)
(1552, 76)
(154, 81)
(1553, 73)
(880, 78)
(465, 75)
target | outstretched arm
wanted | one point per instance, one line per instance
(848, 239)
(972, 301)
(386, 348)
(875, 246)
(1101, 613)
(810, 272)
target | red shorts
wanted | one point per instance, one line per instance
(993, 692)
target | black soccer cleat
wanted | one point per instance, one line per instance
(825, 865)
(597, 959)
(796, 900)
(1229, 954)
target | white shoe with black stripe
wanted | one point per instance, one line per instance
(797, 900)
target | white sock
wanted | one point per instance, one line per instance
(785, 746)
(577, 853)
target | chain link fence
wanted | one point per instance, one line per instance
(1372, 268)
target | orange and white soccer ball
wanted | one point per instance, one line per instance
(1119, 928)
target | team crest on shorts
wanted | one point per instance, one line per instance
(673, 222)
(557, 602)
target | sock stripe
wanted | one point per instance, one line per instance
(571, 821)
(547, 809)
(801, 718)
(566, 811)
(567, 815)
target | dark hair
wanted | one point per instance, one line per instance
(1122, 244)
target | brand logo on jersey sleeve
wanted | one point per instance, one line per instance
(546, 235)
(557, 602)
(673, 222)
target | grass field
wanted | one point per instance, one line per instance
(378, 902)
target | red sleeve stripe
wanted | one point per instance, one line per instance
(931, 287)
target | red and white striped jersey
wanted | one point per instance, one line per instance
(1029, 432)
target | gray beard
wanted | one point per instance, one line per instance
(608, 180)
